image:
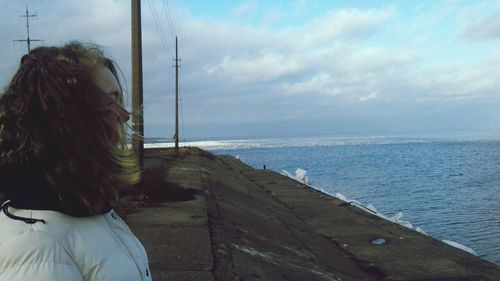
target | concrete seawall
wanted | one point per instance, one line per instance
(206, 217)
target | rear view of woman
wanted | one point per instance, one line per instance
(62, 162)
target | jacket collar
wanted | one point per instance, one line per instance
(27, 188)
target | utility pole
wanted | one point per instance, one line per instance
(28, 40)
(137, 100)
(176, 98)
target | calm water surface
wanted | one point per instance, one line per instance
(450, 189)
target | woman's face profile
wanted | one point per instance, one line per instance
(106, 81)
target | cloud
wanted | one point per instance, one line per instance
(369, 97)
(245, 9)
(341, 67)
(345, 23)
(272, 75)
(259, 68)
(487, 28)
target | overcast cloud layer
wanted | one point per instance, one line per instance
(254, 71)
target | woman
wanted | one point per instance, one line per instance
(62, 162)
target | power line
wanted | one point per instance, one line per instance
(163, 38)
(158, 26)
(182, 118)
(166, 9)
(168, 15)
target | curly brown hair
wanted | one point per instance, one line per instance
(53, 117)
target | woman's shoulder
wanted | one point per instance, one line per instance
(97, 245)
(26, 254)
(92, 233)
(52, 223)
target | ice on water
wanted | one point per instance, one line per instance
(279, 142)
(460, 246)
(301, 176)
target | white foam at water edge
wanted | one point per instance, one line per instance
(340, 196)
(421, 231)
(460, 246)
(285, 173)
(301, 176)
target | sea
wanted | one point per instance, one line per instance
(447, 186)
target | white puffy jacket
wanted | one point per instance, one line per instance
(65, 248)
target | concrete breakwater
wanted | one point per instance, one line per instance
(206, 217)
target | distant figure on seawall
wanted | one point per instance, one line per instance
(62, 162)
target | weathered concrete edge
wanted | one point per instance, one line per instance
(467, 265)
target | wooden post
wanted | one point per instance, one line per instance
(176, 99)
(137, 100)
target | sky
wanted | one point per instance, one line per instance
(254, 69)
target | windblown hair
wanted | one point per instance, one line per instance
(53, 117)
